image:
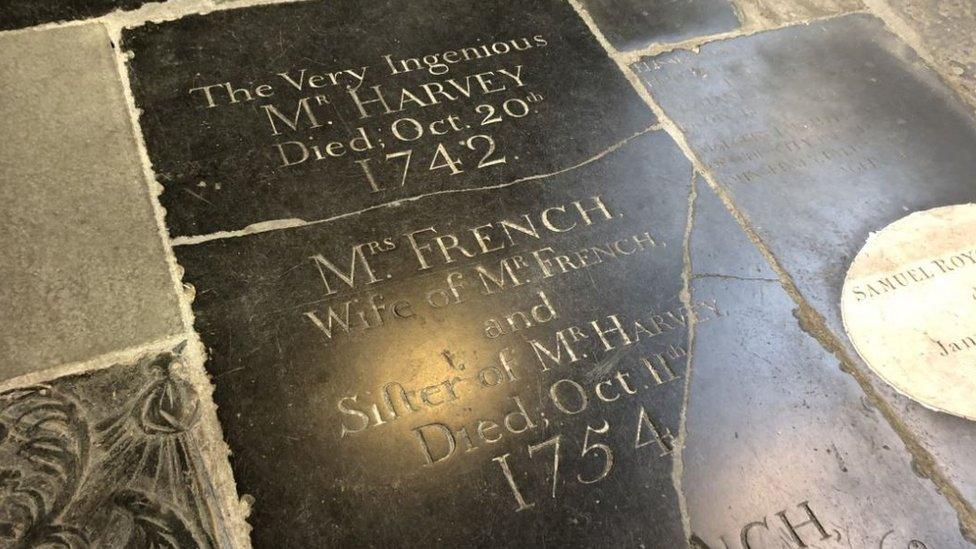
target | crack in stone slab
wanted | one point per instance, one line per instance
(265, 226)
(733, 277)
(214, 451)
(692, 44)
(678, 464)
(813, 323)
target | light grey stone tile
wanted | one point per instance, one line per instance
(82, 264)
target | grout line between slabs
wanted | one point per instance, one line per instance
(231, 522)
(692, 44)
(900, 28)
(100, 362)
(152, 12)
(280, 224)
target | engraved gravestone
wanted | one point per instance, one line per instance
(479, 335)
(908, 306)
(508, 367)
(316, 109)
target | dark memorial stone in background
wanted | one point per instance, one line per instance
(823, 134)
(634, 24)
(781, 445)
(15, 14)
(315, 109)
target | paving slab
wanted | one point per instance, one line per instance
(574, 346)
(450, 398)
(634, 24)
(782, 448)
(81, 257)
(823, 133)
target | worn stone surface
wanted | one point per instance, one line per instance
(367, 419)
(482, 120)
(110, 458)
(635, 24)
(15, 14)
(765, 13)
(81, 259)
(945, 29)
(777, 434)
(823, 133)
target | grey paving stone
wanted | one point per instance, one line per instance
(824, 133)
(15, 14)
(110, 458)
(81, 259)
(945, 30)
(765, 13)
(777, 434)
(635, 24)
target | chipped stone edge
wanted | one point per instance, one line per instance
(233, 511)
(266, 226)
(102, 362)
(898, 26)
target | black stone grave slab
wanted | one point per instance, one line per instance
(635, 24)
(311, 110)
(409, 375)
(15, 14)
(782, 449)
(823, 133)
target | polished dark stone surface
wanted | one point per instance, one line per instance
(323, 476)
(822, 134)
(774, 426)
(224, 167)
(15, 14)
(634, 24)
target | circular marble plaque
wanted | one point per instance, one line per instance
(909, 307)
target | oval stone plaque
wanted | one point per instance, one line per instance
(909, 307)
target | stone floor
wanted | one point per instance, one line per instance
(495, 273)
